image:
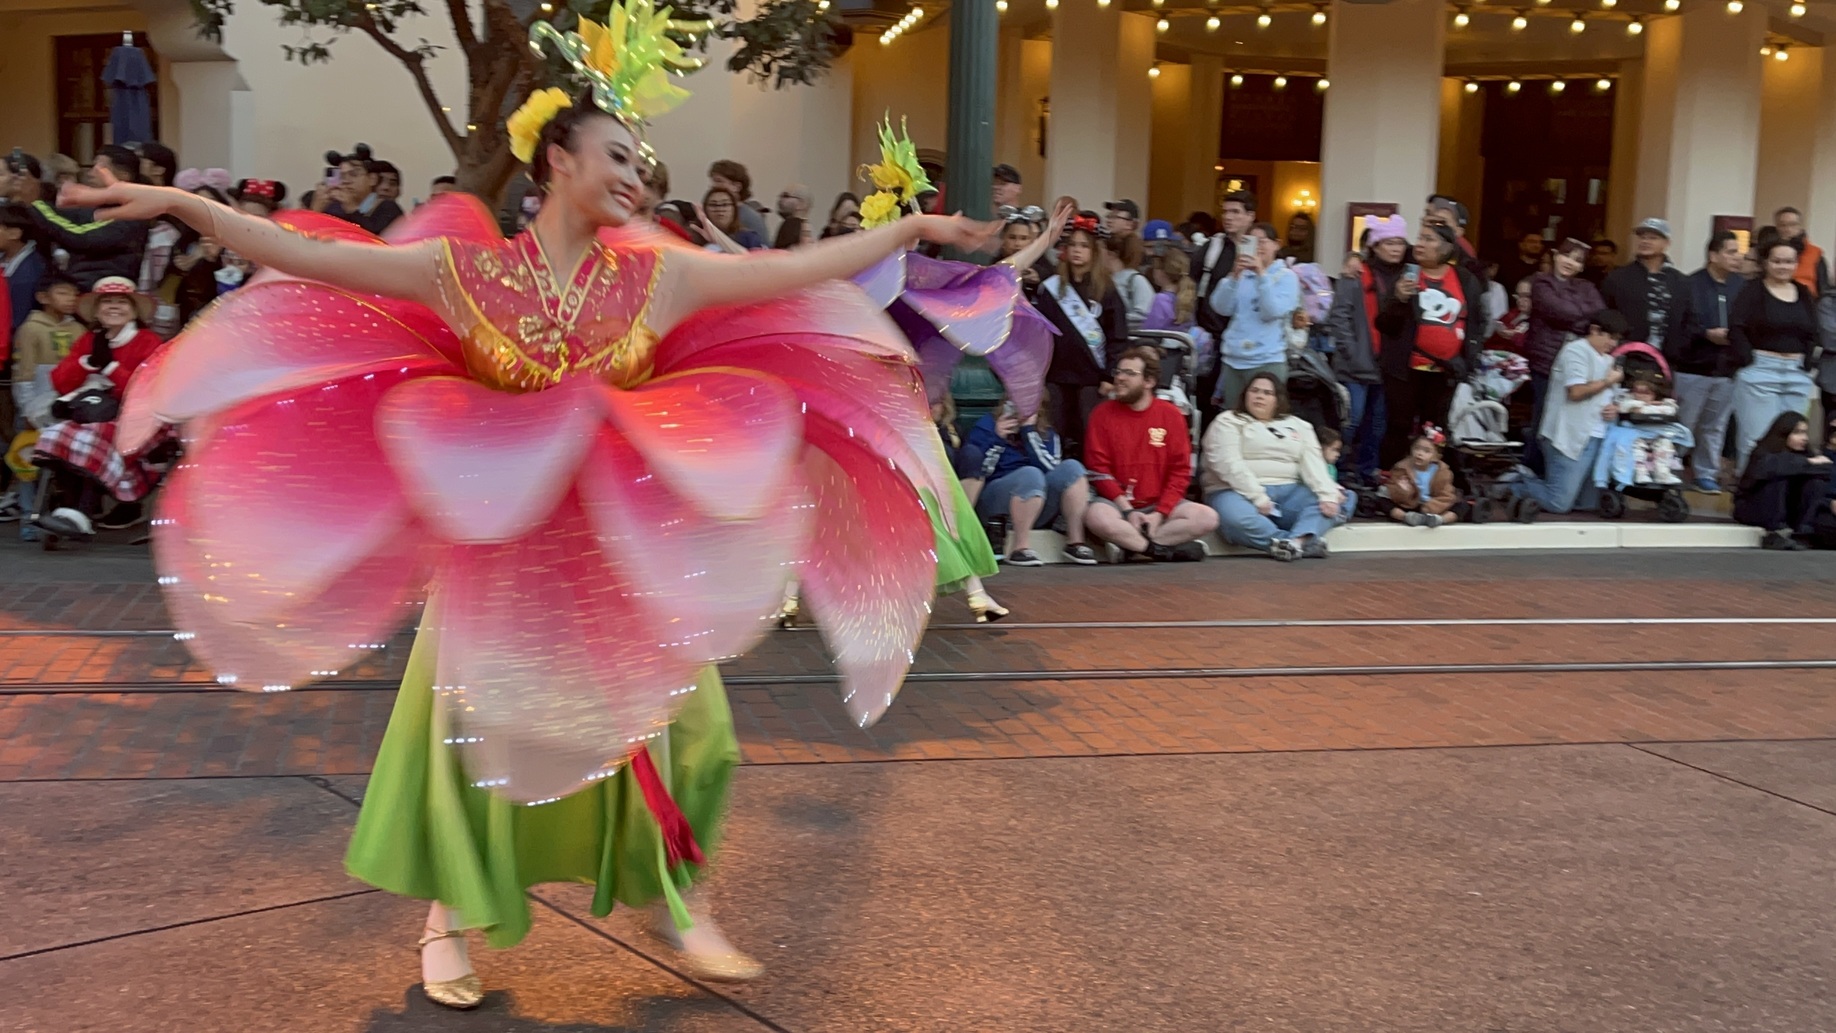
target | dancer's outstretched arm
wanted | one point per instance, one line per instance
(699, 279)
(1025, 257)
(396, 272)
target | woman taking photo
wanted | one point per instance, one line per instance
(1773, 331)
(1262, 469)
(1081, 301)
(1561, 302)
(1783, 483)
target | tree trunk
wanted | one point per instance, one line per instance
(486, 166)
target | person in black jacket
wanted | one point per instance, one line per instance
(1082, 303)
(1211, 263)
(97, 249)
(1703, 360)
(1436, 315)
(1783, 484)
(1648, 290)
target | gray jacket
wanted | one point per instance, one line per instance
(1354, 360)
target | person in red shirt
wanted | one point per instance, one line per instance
(1439, 313)
(1139, 454)
(120, 342)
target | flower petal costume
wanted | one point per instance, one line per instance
(593, 513)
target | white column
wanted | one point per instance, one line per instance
(1793, 106)
(1026, 81)
(214, 126)
(1699, 133)
(1098, 141)
(1173, 146)
(1622, 181)
(1383, 111)
(1460, 171)
(1204, 124)
(1820, 203)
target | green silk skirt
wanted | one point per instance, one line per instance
(426, 832)
(967, 551)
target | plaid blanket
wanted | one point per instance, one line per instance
(90, 447)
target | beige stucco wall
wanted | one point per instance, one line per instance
(28, 116)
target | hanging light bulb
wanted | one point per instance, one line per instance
(1281, 82)
(1471, 86)
(1162, 25)
(1212, 23)
(1461, 19)
(1102, 3)
(1635, 26)
(1322, 85)
(1513, 86)
(1236, 80)
(1781, 54)
(1051, 5)
(1735, 6)
(1577, 26)
(1673, 6)
(1602, 85)
(1319, 17)
(1519, 23)
(1558, 86)
(1797, 10)
(1766, 51)
(1608, 4)
(1263, 20)
(1000, 6)
(1153, 71)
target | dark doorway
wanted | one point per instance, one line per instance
(82, 100)
(1547, 155)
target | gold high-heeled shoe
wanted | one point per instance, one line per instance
(787, 613)
(464, 993)
(984, 607)
(728, 966)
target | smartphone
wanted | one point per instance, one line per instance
(1246, 245)
(1412, 273)
(1009, 411)
(331, 175)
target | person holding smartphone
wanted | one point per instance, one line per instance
(1259, 298)
(1029, 481)
(1437, 319)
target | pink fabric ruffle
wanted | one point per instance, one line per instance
(587, 549)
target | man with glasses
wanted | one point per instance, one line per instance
(1138, 451)
(794, 212)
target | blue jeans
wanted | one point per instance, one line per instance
(1763, 389)
(1568, 483)
(1533, 441)
(1029, 482)
(1297, 516)
(1364, 430)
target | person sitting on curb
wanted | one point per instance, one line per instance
(1265, 475)
(1783, 484)
(1139, 455)
(1421, 487)
(1027, 479)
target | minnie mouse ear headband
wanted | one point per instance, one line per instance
(1031, 213)
(1087, 222)
(1393, 227)
(270, 192)
(1433, 434)
(190, 180)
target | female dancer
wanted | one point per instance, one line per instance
(601, 486)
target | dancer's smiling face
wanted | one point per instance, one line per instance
(596, 168)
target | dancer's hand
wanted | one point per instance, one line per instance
(963, 234)
(115, 199)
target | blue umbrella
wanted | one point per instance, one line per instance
(130, 108)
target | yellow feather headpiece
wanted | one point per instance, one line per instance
(626, 64)
(897, 177)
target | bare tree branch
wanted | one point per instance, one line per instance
(416, 63)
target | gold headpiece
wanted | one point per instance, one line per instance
(626, 63)
(898, 178)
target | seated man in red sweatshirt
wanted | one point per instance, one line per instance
(1139, 454)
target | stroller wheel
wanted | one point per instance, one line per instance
(1673, 508)
(1612, 505)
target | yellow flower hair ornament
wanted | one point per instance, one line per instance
(525, 126)
(898, 176)
(627, 62)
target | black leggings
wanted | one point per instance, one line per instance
(1421, 397)
(1782, 503)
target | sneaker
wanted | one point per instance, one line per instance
(1706, 486)
(1776, 542)
(124, 515)
(1284, 550)
(9, 508)
(28, 533)
(1315, 549)
(1187, 552)
(1081, 554)
(1024, 558)
(1414, 519)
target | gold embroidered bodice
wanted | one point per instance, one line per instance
(526, 326)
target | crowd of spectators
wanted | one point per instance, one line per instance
(1140, 447)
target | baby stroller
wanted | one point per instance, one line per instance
(1178, 372)
(1482, 455)
(1314, 393)
(1638, 456)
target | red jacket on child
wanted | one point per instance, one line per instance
(70, 373)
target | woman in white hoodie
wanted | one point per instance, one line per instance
(1263, 471)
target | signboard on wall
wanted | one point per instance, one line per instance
(1355, 211)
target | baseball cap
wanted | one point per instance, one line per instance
(1444, 203)
(1126, 207)
(1657, 226)
(1007, 174)
(1157, 230)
